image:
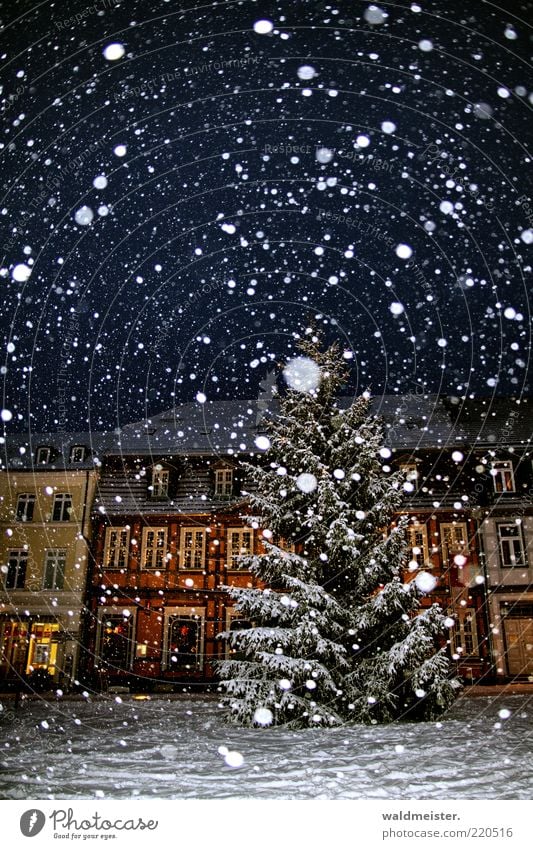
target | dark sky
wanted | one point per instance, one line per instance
(362, 163)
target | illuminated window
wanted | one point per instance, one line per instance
(117, 542)
(192, 551)
(503, 477)
(223, 481)
(62, 509)
(25, 507)
(240, 544)
(54, 568)
(15, 576)
(512, 551)
(417, 536)
(159, 488)
(42, 652)
(154, 548)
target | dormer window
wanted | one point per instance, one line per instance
(159, 488)
(77, 454)
(410, 471)
(224, 481)
(502, 476)
(43, 455)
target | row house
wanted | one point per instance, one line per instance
(163, 504)
(168, 529)
(499, 432)
(47, 486)
(428, 444)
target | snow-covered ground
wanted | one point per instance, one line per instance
(178, 749)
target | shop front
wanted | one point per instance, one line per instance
(29, 651)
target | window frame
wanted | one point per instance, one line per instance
(224, 481)
(120, 548)
(412, 529)
(183, 613)
(21, 556)
(233, 616)
(40, 449)
(154, 549)
(62, 499)
(28, 499)
(107, 613)
(75, 448)
(230, 557)
(53, 556)
(160, 482)
(410, 470)
(184, 550)
(460, 636)
(462, 547)
(511, 538)
(500, 470)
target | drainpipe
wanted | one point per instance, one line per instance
(85, 623)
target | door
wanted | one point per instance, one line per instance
(519, 642)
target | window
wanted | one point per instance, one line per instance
(25, 507)
(117, 542)
(240, 543)
(503, 477)
(154, 548)
(54, 568)
(464, 633)
(284, 544)
(417, 537)
(184, 640)
(223, 481)
(43, 455)
(77, 454)
(42, 653)
(115, 640)
(62, 508)
(234, 622)
(159, 488)
(13, 646)
(15, 576)
(453, 539)
(410, 471)
(192, 548)
(512, 552)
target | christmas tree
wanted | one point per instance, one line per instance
(336, 636)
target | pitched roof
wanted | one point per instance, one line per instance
(228, 428)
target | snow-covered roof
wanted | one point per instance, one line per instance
(230, 427)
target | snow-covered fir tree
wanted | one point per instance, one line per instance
(337, 634)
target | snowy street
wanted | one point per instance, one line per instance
(176, 749)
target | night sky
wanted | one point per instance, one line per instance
(186, 187)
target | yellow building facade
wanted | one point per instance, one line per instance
(44, 548)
